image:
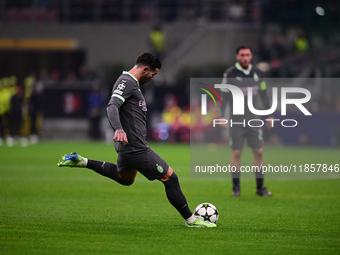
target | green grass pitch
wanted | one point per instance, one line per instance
(49, 210)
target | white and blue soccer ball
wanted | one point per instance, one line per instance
(207, 212)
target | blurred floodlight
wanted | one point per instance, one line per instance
(320, 11)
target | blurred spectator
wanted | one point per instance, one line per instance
(337, 103)
(170, 116)
(337, 137)
(29, 82)
(55, 75)
(197, 126)
(326, 102)
(3, 110)
(256, 11)
(201, 125)
(237, 11)
(157, 41)
(85, 74)
(301, 42)
(175, 123)
(11, 100)
(275, 140)
(15, 117)
(276, 49)
(12, 14)
(96, 101)
(304, 140)
(71, 79)
(5, 107)
(168, 9)
(184, 121)
(260, 52)
(146, 12)
(33, 102)
(35, 107)
(43, 75)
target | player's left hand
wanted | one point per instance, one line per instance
(270, 124)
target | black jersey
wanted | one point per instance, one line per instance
(128, 98)
(252, 77)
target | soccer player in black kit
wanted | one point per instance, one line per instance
(127, 111)
(243, 75)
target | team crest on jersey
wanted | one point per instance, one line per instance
(256, 78)
(160, 168)
(143, 105)
(121, 86)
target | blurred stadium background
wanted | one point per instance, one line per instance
(60, 58)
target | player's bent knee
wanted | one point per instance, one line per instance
(171, 179)
(126, 183)
(128, 178)
(168, 175)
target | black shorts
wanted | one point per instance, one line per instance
(147, 162)
(254, 136)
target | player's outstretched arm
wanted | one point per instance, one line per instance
(113, 116)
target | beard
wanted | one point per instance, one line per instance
(144, 80)
(244, 64)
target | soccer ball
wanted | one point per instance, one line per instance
(207, 212)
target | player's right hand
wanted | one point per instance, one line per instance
(120, 136)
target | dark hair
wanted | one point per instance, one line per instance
(150, 60)
(243, 46)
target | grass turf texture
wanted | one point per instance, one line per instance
(49, 210)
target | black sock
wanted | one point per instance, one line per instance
(107, 169)
(175, 196)
(259, 175)
(236, 178)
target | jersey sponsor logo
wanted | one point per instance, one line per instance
(119, 92)
(238, 78)
(142, 104)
